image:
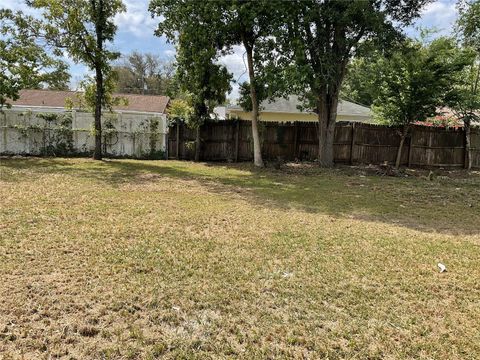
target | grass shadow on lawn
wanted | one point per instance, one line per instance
(446, 206)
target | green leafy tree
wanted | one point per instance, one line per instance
(251, 24)
(415, 81)
(180, 109)
(464, 98)
(206, 82)
(361, 82)
(87, 98)
(245, 99)
(316, 41)
(191, 26)
(228, 23)
(24, 60)
(84, 28)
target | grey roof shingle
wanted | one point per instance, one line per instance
(290, 105)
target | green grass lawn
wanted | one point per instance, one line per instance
(162, 259)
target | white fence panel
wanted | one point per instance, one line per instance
(129, 134)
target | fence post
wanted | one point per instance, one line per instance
(465, 150)
(430, 150)
(295, 141)
(237, 134)
(410, 148)
(74, 130)
(352, 145)
(178, 139)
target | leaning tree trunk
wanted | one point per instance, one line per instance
(257, 151)
(198, 144)
(403, 136)
(97, 155)
(468, 144)
(327, 114)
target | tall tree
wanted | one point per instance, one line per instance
(415, 81)
(144, 73)
(317, 39)
(24, 60)
(192, 27)
(465, 97)
(206, 81)
(227, 23)
(251, 24)
(84, 28)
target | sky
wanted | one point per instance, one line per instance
(136, 27)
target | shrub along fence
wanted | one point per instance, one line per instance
(354, 143)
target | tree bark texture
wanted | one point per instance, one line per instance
(257, 150)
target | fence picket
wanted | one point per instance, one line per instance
(355, 143)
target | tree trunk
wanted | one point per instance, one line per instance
(97, 155)
(198, 143)
(257, 150)
(403, 136)
(327, 114)
(468, 144)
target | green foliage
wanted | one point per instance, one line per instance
(319, 39)
(464, 98)
(416, 80)
(180, 109)
(151, 126)
(316, 41)
(362, 82)
(192, 27)
(212, 27)
(245, 100)
(468, 23)
(83, 28)
(86, 100)
(56, 132)
(252, 24)
(24, 62)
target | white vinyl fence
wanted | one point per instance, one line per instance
(57, 132)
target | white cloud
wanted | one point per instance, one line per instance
(137, 19)
(170, 53)
(440, 14)
(19, 5)
(236, 64)
(14, 5)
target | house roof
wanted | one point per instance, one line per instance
(291, 104)
(54, 98)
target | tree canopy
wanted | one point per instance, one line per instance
(84, 28)
(25, 62)
(464, 98)
(225, 24)
(316, 42)
(191, 26)
(417, 80)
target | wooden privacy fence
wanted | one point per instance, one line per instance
(231, 140)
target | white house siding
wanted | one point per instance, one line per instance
(132, 134)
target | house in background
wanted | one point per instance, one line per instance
(136, 129)
(54, 100)
(286, 110)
